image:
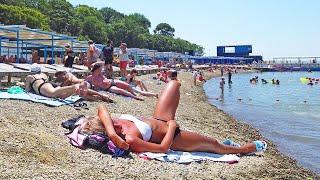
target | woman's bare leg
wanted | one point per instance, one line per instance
(59, 92)
(145, 93)
(168, 102)
(191, 141)
(142, 85)
(123, 92)
(94, 95)
(124, 86)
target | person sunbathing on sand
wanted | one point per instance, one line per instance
(133, 82)
(160, 132)
(98, 81)
(67, 78)
(38, 83)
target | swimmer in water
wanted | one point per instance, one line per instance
(310, 83)
(264, 81)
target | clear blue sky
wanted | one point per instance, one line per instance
(274, 27)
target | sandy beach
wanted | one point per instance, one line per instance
(33, 145)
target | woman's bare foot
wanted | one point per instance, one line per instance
(82, 88)
(107, 98)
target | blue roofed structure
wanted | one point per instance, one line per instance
(242, 51)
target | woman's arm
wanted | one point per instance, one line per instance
(105, 117)
(138, 145)
(27, 84)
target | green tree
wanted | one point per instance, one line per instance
(127, 30)
(61, 14)
(83, 11)
(109, 15)
(94, 29)
(22, 15)
(39, 5)
(13, 2)
(141, 20)
(164, 29)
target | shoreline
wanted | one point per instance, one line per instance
(254, 129)
(34, 146)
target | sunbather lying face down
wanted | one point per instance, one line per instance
(99, 82)
(161, 132)
(39, 84)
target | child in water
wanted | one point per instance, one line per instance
(222, 82)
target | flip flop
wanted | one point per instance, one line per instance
(231, 143)
(261, 146)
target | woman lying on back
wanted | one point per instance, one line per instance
(38, 83)
(134, 83)
(99, 82)
(160, 132)
(67, 78)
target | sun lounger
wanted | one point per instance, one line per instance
(9, 70)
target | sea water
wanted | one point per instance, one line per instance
(288, 114)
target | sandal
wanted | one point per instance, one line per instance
(231, 143)
(261, 146)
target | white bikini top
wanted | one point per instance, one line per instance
(143, 127)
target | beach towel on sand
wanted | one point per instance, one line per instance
(188, 157)
(39, 99)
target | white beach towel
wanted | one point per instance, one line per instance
(40, 99)
(188, 157)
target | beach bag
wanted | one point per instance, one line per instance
(97, 141)
(15, 90)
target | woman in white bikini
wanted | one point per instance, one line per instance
(160, 132)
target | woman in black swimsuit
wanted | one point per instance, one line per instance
(39, 84)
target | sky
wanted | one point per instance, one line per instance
(275, 28)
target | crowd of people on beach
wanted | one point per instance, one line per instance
(158, 133)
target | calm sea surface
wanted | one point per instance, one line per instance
(288, 114)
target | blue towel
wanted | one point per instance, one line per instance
(40, 99)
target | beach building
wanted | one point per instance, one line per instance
(239, 54)
(242, 51)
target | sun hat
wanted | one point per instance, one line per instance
(35, 68)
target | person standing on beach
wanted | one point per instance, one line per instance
(195, 75)
(124, 58)
(221, 70)
(107, 53)
(93, 54)
(229, 76)
(69, 59)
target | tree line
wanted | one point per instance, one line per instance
(98, 25)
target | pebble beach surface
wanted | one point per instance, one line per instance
(33, 145)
